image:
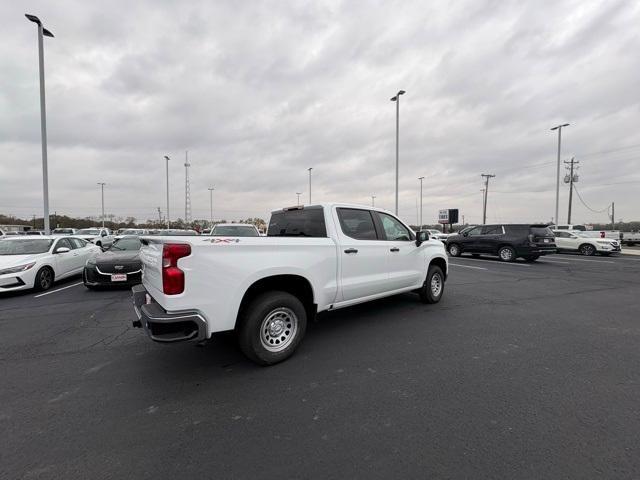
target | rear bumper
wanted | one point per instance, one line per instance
(163, 326)
(537, 250)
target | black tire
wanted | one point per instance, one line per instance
(531, 258)
(288, 319)
(507, 254)
(433, 288)
(587, 250)
(454, 250)
(84, 281)
(44, 279)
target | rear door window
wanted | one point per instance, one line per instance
(356, 223)
(541, 231)
(474, 232)
(492, 230)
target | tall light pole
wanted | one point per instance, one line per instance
(102, 184)
(43, 119)
(420, 178)
(298, 194)
(486, 176)
(396, 99)
(373, 200)
(167, 159)
(310, 168)
(211, 189)
(559, 128)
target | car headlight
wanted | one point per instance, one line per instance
(603, 242)
(18, 269)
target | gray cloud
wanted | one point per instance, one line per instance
(259, 92)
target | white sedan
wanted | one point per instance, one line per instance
(584, 243)
(37, 262)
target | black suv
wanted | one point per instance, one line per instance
(506, 241)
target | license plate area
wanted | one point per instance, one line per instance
(119, 277)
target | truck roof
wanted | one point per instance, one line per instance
(333, 204)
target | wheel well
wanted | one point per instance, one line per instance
(440, 262)
(47, 267)
(505, 245)
(584, 244)
(294, 284)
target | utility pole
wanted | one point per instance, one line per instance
(310, 168)
(373, 200)
(159, 215)
(420, 178)
(613, 215)
(298, 194)
(211, 189)
(34, 222)
(571, 180)
(167, 159)
(486, 176)
(102, 184)
(187, 190)
(559, 128)
(396, 99)
(43, 119)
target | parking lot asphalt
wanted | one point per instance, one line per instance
(521, 371)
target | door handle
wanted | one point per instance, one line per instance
(351, 250)
(394, 249)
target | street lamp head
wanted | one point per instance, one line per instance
(393, 99)
(33, 18)
(166, 157)
(47, 33)
(401, 92)
(420, 178)
(310, 168)
(560, 126)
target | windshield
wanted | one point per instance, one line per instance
(88, 231)
(126, 244)
(235, 231)
(26, 246)
(63, 230)
(131, 232)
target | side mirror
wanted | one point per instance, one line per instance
(465, 234)
(62, 250)
(103, 234)
(421, 237)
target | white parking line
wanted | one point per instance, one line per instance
(494, 262)
(587, 260)
(467, 266)
(59, 289)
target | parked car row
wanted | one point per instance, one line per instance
(530, 242)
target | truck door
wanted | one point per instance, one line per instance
(363, 270)
(405, 264)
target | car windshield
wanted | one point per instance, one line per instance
(26, 246)
(235, 231)
(88, 231)
(131, 232)
(126, 244)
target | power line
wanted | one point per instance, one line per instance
(587, 206)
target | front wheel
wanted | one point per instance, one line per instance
(433, 288)
(454, 250)
(44, 279)
(588, 250)
(507, 254)
(271, 327)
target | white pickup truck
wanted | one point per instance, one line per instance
(313, 259)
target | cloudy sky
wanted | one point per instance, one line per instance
(258, 92)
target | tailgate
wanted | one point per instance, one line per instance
(151, 257)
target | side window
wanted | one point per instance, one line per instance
(393, 229)
(78, 243)
(492, 230)
(64, 242)
(474, 232)
(357, 224)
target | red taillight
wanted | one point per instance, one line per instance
(172, 276)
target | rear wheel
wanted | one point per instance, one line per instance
(587, 249)
(271, 327)
(507, 254)
(44, 279)
(454, 250)
(433, 288)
